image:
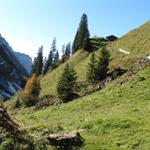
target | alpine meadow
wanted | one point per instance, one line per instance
(92, 93)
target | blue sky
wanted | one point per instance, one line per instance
(28, 24)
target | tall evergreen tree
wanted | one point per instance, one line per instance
(56, 60)
(81, 40)
(83, 37)
(48, 63)
(68, 50)
(91, 72)
(50, 60)
(75, 45)
(67, 85)
(102, 64)
(34, 65)
(53, 46)
(63, 57)
(38, 62)
(63, 49)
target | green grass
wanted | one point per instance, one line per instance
(137, 42)
(114, 118)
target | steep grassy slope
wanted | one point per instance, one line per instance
(116, 118)
(137, 42)
(79, 61)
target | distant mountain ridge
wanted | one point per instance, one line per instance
(14, 69)
(25, 60)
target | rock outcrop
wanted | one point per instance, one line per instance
(66, 140)
(12, 72)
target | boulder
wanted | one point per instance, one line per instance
(66, 140)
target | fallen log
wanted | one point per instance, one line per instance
(65, 140)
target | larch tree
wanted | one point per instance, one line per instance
(31, 91)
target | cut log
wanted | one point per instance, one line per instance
(72, 139)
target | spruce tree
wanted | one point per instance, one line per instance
(34, 65)
(81, 40)
(56, 60)
(63, 57)
(67, 85)
(48, 63)
(39, 62)
(75, 45)
(53, 46)
(68, 50)
(102, 64)
(91, 72)
(83, 36)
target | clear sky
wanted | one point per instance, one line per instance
(28, 24)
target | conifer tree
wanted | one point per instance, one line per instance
(91, 72)
(81, 40)
(56, 60)
(83, 35)
(48, 63)
(68, 50)
(63, 49)
(53, 46)
(39, 62)
(67, 85)
(75, 45)
(63, 57)
(34, 66)
(102, 64)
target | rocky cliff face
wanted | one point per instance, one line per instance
(12, 71)
(25, 60)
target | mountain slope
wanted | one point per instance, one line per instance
(12, 72)
(137, 42)
(116, 117)
(25, 60)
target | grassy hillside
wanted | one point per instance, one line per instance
(137, 42)
(79, 61)
(114, 118)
